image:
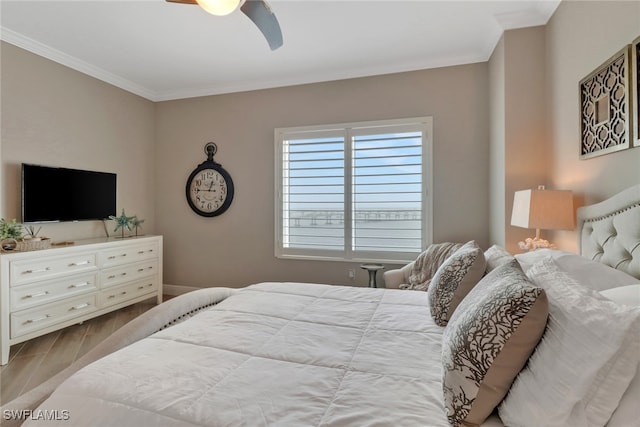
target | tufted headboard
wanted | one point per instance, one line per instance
(609, 231)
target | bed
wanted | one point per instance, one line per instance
(543, 338)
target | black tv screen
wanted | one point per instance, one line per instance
(51, 194)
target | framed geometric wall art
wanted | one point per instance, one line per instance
(635, 90)
(605, 107)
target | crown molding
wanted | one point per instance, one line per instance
(539, 14)
(62, 58)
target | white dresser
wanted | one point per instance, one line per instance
(46, 290)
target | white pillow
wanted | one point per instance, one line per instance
(496, 256)
(589, 273)
(585, 361)
(624, 295)
(628, 411)
(529, 259)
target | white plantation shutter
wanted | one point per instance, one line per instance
(387, 192)
(313, 192)
(354, 191)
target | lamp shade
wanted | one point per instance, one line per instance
(543, 209)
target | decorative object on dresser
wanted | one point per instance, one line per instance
(209, 187)
(604, 107)
(10, 233)
(542, 209)
(123, 221)
(13, 239)
(635, 90)
(137, 224)
(47, 290)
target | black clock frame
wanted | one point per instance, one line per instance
(210, 149)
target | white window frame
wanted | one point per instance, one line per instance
(425, 124)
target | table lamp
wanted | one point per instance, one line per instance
(543, 210)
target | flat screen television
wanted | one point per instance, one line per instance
(52, 194)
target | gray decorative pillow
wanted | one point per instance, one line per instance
(453, 280)
(488, 340)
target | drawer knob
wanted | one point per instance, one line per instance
(111, 277)
(41, 294)
(39, 319)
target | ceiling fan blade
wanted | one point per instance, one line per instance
(183, 1)
(262, 15)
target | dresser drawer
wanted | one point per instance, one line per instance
(118, 294)
(23, 272)
(25, 321)
(120, 275)
(27, 296)
(129, 254)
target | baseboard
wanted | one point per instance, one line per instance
(177, 289)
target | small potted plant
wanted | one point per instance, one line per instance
(10, 234)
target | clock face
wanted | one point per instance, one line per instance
(209, 190)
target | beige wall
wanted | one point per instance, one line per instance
(55, 116)
(238, 247)
(527, 144)
(581, 36)
(519, 144)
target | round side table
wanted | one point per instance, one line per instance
(372, 269)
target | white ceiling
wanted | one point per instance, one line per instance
(164, 51)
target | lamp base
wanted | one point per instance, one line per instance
(531, 244)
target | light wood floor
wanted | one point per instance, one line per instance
(33, 362)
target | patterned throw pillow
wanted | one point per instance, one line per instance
(488, 340)
(453, 280)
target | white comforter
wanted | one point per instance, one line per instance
(272, 354)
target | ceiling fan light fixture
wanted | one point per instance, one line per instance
(219, 7)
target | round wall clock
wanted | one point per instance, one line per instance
(209, 187)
